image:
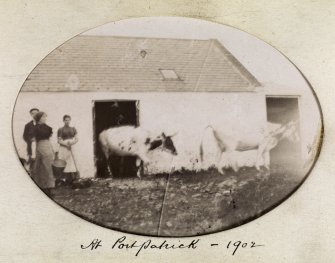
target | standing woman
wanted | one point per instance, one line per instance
(42, 172)
(67, 136)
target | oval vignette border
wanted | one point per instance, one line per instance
(240, 223)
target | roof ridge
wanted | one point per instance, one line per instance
(137, 37)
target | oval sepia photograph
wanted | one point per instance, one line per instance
(167, 126)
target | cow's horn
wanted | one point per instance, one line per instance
(173, 134)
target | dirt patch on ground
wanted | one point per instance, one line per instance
(182, 204)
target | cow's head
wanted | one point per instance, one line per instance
(164, 141)
(168, 144)
(291, 132)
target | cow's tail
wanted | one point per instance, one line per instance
(104, 143)
(201, 143)
(105, 150)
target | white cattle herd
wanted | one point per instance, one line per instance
(233, 150)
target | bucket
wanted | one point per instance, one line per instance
(58, 167)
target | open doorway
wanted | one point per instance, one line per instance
(109, 114)
(283, 110)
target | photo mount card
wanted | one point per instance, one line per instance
(168, 133)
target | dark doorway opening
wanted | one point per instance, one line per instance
(286, 154)
(109, 114)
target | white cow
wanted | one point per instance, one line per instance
(248, 149)
(133, 141)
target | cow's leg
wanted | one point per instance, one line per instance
(138, 164)
(258, 163)
(267, 160)
(142, 168)
(143, 157)
(218, 161)
(106, 154)
(142, 160)
(260, 159)
(109, 169)
(267, 163)
(139, 167)
(233, 161)
(235, 167)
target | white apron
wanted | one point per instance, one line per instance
(66, 155)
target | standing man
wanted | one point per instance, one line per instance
(116, 116)
(28, 135)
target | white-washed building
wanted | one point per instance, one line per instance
(176, 85)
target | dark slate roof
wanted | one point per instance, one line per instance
(108, 63)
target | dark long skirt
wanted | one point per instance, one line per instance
(42, 172)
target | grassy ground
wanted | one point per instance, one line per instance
(183, 205)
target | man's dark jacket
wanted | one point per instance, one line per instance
(28, 135)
